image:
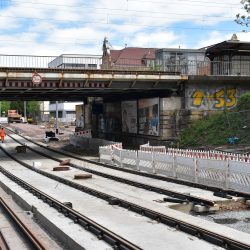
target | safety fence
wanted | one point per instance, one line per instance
(196, 166)
(84, 133)
(147, 148)
(211, 154)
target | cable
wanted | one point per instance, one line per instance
(128, 10)
(193, 1)
(137, 25)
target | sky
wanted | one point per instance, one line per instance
(54, 27)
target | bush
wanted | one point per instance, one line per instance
(244, 102)
(217, 128)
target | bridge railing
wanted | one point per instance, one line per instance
(177, 67)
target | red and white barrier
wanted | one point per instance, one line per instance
(84, 133)
(212, 154)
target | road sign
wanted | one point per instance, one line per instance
(36, 79)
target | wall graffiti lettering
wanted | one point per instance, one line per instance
(216, 99)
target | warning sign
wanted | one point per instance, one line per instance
(36, 79)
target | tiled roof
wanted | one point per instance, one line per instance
(132, 55)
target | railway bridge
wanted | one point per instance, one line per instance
(158, 104)
(75, 84)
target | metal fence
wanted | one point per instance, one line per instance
(193, 67)
(216, 169)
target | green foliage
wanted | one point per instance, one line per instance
(214, 130)
(244, 102)
(17, 105)
(5, 106)
(32, 107)
(244, 19)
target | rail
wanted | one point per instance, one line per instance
(189, 228)
(107, 158)
(32, 239)
(94, 62)
(171, 193)
(101, 232)
(3, 243)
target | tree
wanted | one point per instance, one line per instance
(244, 18)
(17, 105)
(5, 106)
(33, 108)
(244, 102)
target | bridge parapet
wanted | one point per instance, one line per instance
(94, 63)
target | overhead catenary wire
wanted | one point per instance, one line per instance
(200, 3)
(120, 9)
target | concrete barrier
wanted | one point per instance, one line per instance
(89, 143)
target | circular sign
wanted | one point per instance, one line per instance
(36, 79)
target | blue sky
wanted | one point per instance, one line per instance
(53, 27)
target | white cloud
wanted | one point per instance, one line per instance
(75, 26)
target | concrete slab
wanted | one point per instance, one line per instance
(140, 230)
(71, 235)
(12, 235)
(146, 180)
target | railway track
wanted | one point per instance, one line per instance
(30, 237)
(194, 230)
(141, 185)
(3, 243)
(171, 193)
(101, 232)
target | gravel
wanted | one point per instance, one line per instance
(239, 220)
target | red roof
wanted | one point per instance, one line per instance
(132, 55)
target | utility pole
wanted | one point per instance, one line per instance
(56, 117)
(25, 111)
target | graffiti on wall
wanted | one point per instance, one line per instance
(219, 98)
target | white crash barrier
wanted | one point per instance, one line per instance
(146, 162)
(212, 168)
(129, 158)
(105, 154)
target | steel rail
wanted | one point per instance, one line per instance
(171, 193)
(3, 244)
(153, 176)
(32, 239)
(189, 228)
(116, 241)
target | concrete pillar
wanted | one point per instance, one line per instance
(169, 107)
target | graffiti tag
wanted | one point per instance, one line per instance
(219, 99)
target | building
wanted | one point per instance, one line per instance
(183, 61)
(231, 57)
(72, 61)
(44, 109)
(172, 60)
(66, 111)
(128, 58)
